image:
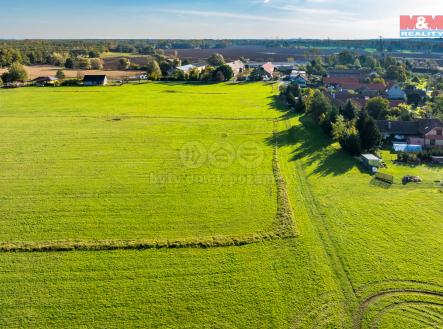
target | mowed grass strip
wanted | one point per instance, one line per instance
(234, 287)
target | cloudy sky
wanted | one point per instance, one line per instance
(347, 19)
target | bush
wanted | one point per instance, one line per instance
(407, 157)
(226, 71)
(71, 83)
(350, 142)
(15, 73)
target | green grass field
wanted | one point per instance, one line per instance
(112, 164)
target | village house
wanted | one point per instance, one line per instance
(423, 132)
(299, 77)
(264, 72)
(343, 82)
(95, 80)
(236, 66)
(189, 67)
(268, 69)
(340, 98)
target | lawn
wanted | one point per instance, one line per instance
(120, 169)
(107, 163)
(383, 239)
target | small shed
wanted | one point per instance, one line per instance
(371, 160)
(95, 80)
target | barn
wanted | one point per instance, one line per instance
(95, 80)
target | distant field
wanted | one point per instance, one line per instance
(36, 71)
(90, 163)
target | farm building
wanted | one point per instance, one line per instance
(95, 80)
(424, 132)
(44, 81)
(187, 68)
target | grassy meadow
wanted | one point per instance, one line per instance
(111, 163)
(116, 170)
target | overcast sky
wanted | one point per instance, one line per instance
(347, 19)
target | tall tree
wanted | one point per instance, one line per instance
(216, 59)
(69, 63)
(96, 63)
(377, 108)
(153, 70)
(349, 111)
(226, 70)
(15, 73)
(370, 135)
(320, 106)
(124, 64)
(60, 75)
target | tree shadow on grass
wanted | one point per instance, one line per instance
(278, 104)
(313, 147)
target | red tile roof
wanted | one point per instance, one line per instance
(268, 67)
(353, 83)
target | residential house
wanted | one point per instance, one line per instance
(395, 92)
(340, 98)
(424, 132)
(236, 66)
(264, 72)
(185, 68)
(354, 83)
(299, 77)
(95, 80)
(268, 69)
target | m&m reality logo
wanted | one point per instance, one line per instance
(421, 26)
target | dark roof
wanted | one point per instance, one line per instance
(398, 127)
(419, 92)
(426, 125)
(94, 78)
(337, 72)
(44, 79)
(340, 98)
(417, 127)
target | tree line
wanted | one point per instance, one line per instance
(354, 128)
